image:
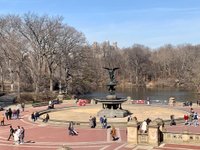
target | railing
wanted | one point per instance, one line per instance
(184, 137)
(143, 138)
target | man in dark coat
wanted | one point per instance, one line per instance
(11, 132)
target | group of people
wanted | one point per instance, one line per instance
(17, 134)
(14, 113)
(191, 118)
(188, 103)
(10, 114)
(35, 116)
(103, 121)
(143, 127)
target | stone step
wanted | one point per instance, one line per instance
(177, 147)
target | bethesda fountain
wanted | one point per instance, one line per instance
(111, 104)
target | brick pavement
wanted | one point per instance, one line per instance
(46, 137)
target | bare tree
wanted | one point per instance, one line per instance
(71, 56)
(137, 57)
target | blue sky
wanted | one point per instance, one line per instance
(152, 23)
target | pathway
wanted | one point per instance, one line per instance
(41, 136)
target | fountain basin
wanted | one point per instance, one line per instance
(112, 107)
(107, 101)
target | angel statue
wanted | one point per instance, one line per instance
(111, 73)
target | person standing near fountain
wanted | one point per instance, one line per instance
(101, 121)
(104, 122)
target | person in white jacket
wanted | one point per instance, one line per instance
(144, 126)
(16, 137)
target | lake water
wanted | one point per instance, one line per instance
(155, 94)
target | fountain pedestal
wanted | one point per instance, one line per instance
(113, 113)
(112, 108)
(112, 105)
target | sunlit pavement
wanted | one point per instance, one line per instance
(46, 137)
(41, 136)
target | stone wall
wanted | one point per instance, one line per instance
(151, 137)
(156, 135)
(181, 138)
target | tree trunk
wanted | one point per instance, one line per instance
(51, 84)
(136, 76)
(60, 87)
(36, 81)
(18, 86)
(12, 81)
(36, 90)
(2, 80)
(66, 87)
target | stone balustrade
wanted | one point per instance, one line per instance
(181, 138)
(157, 134)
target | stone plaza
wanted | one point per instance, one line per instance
(54, 135)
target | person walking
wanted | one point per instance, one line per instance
(104, 122)
(17, 113)
(101, 121)
(23, 106)
(2, 119)
(94, 121)
(16, 136)
(21, 137)
(10, 113)
(11, 133)
(190, 119)
(6, 114)
(91, 122)
(129, 118)
(36, 115)
(195, 118)
(186, 118)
